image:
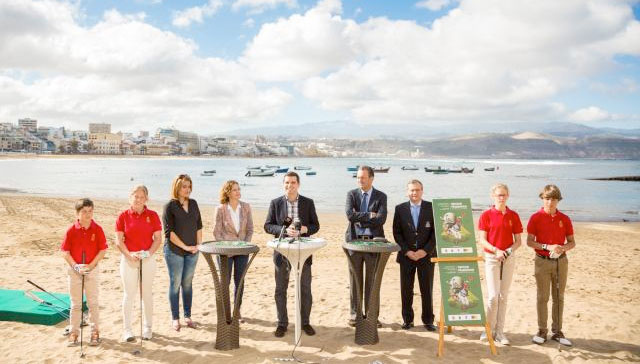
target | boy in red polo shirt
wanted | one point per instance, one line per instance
(84, 237)
(499, 230)
(550, 233)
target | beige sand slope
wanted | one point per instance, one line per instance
(602, 315)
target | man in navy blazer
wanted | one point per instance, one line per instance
(413, 230)
(292, 205)
(366, 209)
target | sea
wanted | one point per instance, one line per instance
(583, 199)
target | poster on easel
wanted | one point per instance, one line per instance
(453, 221)
(459, 280)
(461, 293)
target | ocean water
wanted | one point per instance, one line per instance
(113, 177)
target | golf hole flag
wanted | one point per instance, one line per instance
(459, 281)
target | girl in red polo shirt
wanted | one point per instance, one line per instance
(84, 237)
(499, 234)
(138, 236)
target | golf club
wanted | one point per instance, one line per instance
(82, 310)
(139, 351)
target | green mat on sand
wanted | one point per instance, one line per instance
(16, 306)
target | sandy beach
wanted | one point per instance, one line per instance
(601, 313)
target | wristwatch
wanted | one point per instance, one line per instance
(544, 247)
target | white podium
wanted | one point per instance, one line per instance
(297, 251)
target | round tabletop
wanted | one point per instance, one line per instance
(301, 243)
(371, 246)
(228, 247)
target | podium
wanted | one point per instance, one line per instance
(367, 322)
(228, 328)
(297, 251)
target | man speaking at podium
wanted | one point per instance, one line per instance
(283, 211)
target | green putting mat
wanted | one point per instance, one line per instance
(16, 306)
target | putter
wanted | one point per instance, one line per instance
(139, 351)
(82, 311)
(558, 298)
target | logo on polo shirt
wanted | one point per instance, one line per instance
(510, 223)
(560, 223)
(93, 237)
(148, 220)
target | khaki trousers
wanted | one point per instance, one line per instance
(498, 290)
(548, 273)
(91, 286)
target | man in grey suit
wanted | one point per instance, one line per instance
(290, 207)
(366, 209)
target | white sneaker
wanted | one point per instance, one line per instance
(559, 337)
(146, 334)
(540, 338)
(127, 336)
(502, 339)
(483, 336)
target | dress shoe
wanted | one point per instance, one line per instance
(352, 322)
(407, 325)
(308, 330)
(280, 330)
(379, 324)
(431, 327)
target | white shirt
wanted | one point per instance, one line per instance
(235, 216)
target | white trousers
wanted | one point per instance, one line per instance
(498, 290)
(130, 273)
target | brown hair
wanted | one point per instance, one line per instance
(415, 182)
(292, 174)
(551, 191)
(368, 169)
(226, 190)
(177, 184)
(83, 202)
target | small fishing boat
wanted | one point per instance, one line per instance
(282, 170)
(311, 173)
(271, 167)
(454, 170)
(352, 169)
(409, 168)
(301, 168)
(384, 169)
(490, 169)
(254, 167)
(467, 170)
(444, 171)
(433, 169)
(260, 173)
(208, 173)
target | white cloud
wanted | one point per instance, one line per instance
(260, 6)
(590, 114)
(120, 70)
(249, 23)
(186, 17)
(433, 5)
(301, 45)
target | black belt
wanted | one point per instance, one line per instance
(549, 258)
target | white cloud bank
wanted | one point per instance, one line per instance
(184, 18)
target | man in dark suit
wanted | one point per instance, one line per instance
(366, 209)
(413, 230)
(294, 206)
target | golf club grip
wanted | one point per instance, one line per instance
(35, 285)
(84, 257)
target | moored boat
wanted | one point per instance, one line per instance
(384, 169)
(311, 173)
(301, 168)
(282, 170)
(409, 168)
(260, 173)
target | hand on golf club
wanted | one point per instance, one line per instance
(82, 268)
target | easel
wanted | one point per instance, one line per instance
(492, 345)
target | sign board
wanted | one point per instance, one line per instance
(453, 221)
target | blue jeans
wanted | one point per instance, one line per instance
(181, 270)
(237, 264)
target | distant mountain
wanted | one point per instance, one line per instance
(352, 130)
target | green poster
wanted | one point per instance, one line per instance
(455, 235)
(461, 293)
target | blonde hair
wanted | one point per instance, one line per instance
(225, 191)
(498, 186)
(551, 191)
(415, 182)
(142, 188)
(177, 184)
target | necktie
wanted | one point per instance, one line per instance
(415, 213)
(364, 206)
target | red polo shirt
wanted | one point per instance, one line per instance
(138, 229)
(90, 241)
(500, 228)
(549, 229)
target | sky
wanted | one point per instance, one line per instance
(217, 65)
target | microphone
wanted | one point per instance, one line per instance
(285, 225)
(297, 225)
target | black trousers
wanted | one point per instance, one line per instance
(425, 280)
